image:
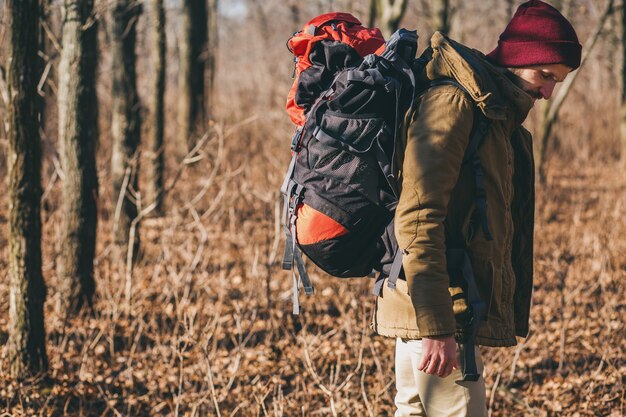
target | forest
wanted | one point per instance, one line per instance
(143, 144)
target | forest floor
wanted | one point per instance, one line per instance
(202, 325)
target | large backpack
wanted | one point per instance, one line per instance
(340, 189)
(350, 101)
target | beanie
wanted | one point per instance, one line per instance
(538, 34)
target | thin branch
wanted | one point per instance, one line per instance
(53, 39)
(4, 90)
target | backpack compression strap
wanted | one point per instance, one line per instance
(292, 253)
(458, 259)
(293, 193)
(481, 128)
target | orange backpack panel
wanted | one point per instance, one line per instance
(338, 27)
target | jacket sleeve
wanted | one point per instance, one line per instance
(438, 137)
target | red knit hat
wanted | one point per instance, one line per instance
(538, 34)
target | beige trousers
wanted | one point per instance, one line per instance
(420, 394)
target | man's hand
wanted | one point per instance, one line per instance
(438, 356)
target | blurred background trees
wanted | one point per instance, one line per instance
(389, 13)
(441, 15)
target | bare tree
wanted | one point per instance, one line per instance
(78, 130)
(125, 114)
(191, 87)
(46, 52)
(623, 104)
(390, 13)
(441, 16)
(371, 19)
(26, 344)
(155, 120)
(211, 55)
(551, 111)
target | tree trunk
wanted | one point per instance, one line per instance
(155, 117)
(441, 16)
(46, 53)
(623, 109)
(211, 56)
(26, 345)
(78, 130)
(551, 112)
(371, 19)
(125, 124)
(191, 72)
(390, 13)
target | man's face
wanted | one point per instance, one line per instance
(539, 81)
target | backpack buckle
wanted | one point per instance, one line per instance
(295, 140)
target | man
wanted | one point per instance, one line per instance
(437, 209)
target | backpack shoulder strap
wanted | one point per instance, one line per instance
(480, 129)
(477, 137)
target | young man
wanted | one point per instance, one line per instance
(437, 208)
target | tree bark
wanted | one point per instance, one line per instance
(211, 56)
(46, 53)
(26, 345)
(125, 124)
(623, 107)
(78, 130)
(155, 121)
(191, 87)
(390, 13)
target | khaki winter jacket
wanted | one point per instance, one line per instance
(437, 202)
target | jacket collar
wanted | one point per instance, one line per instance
(489, 86)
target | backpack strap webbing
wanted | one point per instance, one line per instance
(287, 189)
(293, 194)
(458, 259)
(394, 273)
(480, 130)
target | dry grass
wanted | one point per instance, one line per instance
(209, 330)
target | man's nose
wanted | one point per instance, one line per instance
(547, 89)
